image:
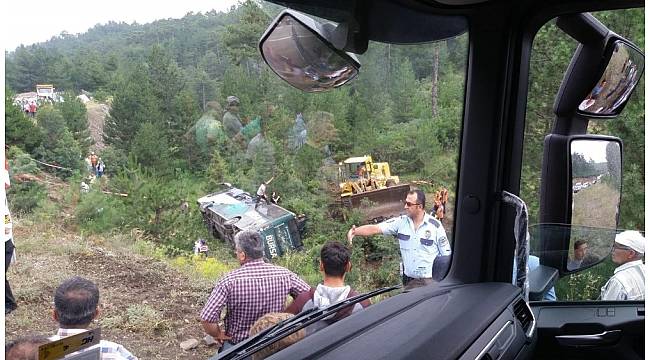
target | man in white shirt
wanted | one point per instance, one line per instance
(76, 303)
(628, 281)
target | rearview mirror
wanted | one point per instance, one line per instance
(300, 52)
(623, 69)
(596, 192)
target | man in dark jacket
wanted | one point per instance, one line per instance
(334, 263)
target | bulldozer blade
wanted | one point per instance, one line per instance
(378, 205)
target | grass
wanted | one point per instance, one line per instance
(138, 318)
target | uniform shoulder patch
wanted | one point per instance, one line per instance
(443, 241)
(435, 222)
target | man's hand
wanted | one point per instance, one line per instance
(351, 234)
(221, 338)
(215, 331)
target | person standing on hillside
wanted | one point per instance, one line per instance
(421, 239)
(10, 249)
(100, 168)
(93, 162)
(261, 193)
(32, 109)
(255, 289)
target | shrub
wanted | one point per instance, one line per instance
(98, 213)
(24, 197)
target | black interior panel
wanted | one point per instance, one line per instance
(620, 326)
(434, 322)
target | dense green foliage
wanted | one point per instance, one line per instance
(161, 76)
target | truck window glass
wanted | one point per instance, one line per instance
(552, 52)
(403, 117)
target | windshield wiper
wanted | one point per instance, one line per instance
(287, 327)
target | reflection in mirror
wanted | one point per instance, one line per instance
(615, 86)
(596, 182)
(588, 245)
(301, 57)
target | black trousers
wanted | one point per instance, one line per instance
(10, 301)
(411, 283)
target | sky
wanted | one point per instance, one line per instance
(29, 22)
(594, 150)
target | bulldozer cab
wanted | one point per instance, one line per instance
(355, 168)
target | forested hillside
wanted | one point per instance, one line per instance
(159, 79)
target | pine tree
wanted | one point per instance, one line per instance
(133, 104)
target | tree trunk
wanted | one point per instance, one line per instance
(388, 70)
(203, 93)
(434, 80)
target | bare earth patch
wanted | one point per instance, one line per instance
(147, 306)
(97, 113)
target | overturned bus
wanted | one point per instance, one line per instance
(232, 210)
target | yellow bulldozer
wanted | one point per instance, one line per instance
(370, 187)
(361, 174)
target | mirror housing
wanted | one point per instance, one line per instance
(623, 64)
(541, 280)
(307, 54)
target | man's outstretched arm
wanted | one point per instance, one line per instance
(365, 230)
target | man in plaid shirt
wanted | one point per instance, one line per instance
(255, 289)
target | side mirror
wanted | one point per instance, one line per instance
(623, 63)
(580, 201)
(302, 52)
(595, 169)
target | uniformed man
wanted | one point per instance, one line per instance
(421, 238)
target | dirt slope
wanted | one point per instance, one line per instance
(146, 305)
(96, 115)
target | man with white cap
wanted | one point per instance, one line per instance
(628, 281)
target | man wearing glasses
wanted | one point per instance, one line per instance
(421, 239)
(628, 281)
